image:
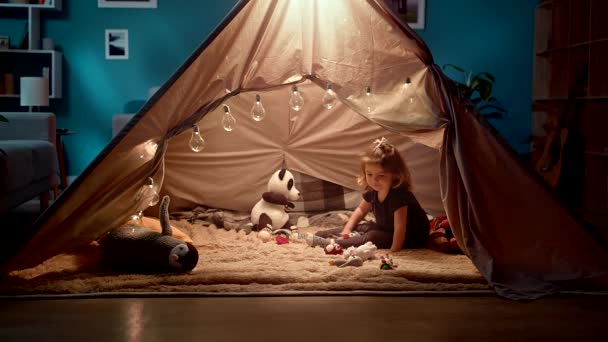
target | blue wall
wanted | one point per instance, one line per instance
(483, 35)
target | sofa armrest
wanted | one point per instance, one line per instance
(29, 126)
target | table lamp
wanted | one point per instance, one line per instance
(34, 92)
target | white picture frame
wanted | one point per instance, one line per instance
(127, 3)
(411, 12)
(117, 43)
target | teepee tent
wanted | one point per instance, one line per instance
(515, 232)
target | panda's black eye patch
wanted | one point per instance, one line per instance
(290, 184)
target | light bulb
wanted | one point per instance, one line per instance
(149, 149)
(295, 100)
(197, 143)
(408, 83)
(258, 113)
(329, 99)
(369, 102)
(148, 194)
(137, 218)
(228, 121)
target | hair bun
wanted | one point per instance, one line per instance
(383, 146)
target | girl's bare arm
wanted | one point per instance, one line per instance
(400, 227)
(357, 216)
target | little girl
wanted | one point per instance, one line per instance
(400, 220)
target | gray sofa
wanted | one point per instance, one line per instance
(28, 159)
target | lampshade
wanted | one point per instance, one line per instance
(34, 91)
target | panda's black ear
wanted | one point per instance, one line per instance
(282, 174)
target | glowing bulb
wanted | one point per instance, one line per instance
(151, 196)
(369, 102)
(197, 143)
(408, 83)
(329, 99)
(258, 113)
(228, 121)
(295, 100)
(137, 218)
(149, 149)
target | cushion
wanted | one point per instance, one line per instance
(321, 196)
(25, 161)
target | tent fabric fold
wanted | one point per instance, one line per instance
(516, 233)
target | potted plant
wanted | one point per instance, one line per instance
(477, 87)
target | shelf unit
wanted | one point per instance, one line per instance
(570, 39)
(31, 61)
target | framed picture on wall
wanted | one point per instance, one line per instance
(127, 3)
(117, 44)
(409, 11)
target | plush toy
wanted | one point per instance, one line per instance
(351, 261)
(386, 263)
(270, 211)
(365, 251)
(139, 249)
(441, 237)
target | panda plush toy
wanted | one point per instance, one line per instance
(269, 213)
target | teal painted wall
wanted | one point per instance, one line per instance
(493, 36)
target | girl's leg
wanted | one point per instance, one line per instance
(379, 238)
(329, 233)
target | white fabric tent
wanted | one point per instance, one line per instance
(517, 234)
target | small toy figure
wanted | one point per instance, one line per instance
(386, 263)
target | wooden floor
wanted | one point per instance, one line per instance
(336, 318)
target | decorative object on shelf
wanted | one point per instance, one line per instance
(5, 42)
(117, 44)
(34, 92)
(477, 87)
(410, 12)
(127, 4)
(9, 84)
(48, 44)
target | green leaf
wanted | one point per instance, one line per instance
(487, 75)
(483, 87)
(3, 118)
(491, 106)
(493, 115)
(445, 66)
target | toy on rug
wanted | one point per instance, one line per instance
(333, 248)
(269, 214)
(386, 262)
(366, 251)
(351, 261)
(441, 238)
(139, 249)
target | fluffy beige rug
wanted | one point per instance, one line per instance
(233, 262)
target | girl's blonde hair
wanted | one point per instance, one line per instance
(383, 153)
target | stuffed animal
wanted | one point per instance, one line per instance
(270, 211)
(365, 251)
(139, 249)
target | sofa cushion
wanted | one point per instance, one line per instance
(25, 161)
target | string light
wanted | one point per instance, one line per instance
(296, 101)
(329, 99)
(369, 101)
(228, 121)
(197, 143)
(137, 218)
(258, 113)
(148, 149)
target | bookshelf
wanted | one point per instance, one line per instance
(570, 41)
